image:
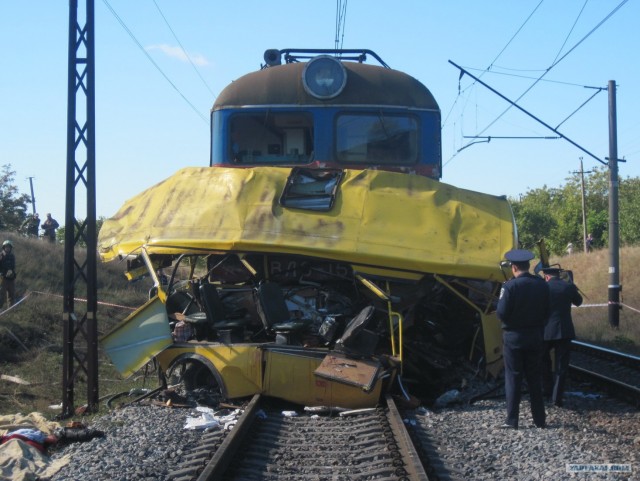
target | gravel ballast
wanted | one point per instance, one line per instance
(145, 442)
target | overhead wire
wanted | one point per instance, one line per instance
(135, 40)
(341, 20)
(183, 49)
(493, 61)
(514, 35)
(575, 22)
(555, 62)
(493, 72)
(571, 84)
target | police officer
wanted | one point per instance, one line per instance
(523, 308)
(558, 332)
(7, 274)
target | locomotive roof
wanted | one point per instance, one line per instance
(366, 85)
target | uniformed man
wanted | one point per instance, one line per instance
(7, 274)
(558, 332)
(523, 308)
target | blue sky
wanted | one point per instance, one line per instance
(145, 130)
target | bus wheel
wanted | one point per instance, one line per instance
(196, 375)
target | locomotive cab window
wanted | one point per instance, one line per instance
(377, 138)
(270, 137)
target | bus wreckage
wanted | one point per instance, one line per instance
(316, 286)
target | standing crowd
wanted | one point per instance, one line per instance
(535, 315)
(31, 227)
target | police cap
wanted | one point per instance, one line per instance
(519, 255)
(551, 271)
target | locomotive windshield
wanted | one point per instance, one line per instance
(268, 137)
(377, 138)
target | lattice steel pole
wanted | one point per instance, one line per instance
(78, 360)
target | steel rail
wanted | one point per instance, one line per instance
(616, 387)
(413, 464)
(621, 357)
(223, 456)
(409, 465)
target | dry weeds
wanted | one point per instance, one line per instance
(591, 275)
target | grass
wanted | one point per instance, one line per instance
(31, 335)
(591, 275)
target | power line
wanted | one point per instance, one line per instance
(566, 39)
(556, 62)
(514, 104)
(492, 62)
(514, 35)
(493, 72)
(184, 50)
(133, 37)
(341, 20)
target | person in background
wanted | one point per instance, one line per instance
(522, 309)
(49, 226)
(558, 332)
(7, 274)
(589, 242)
(31, 225)
(570, 248)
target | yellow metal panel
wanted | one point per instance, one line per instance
(240, 365)
(289, 376)
(492, 343)
(379, 219)
(139, 337)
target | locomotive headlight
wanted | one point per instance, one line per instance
(324, 77)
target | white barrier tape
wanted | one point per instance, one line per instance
(629, 307)
(16, 304)
(58, 295)
(607, 305)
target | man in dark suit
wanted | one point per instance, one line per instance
(558, 332)
(523, 308)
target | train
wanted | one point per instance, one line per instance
(318, 258)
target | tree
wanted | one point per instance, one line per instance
(532, 216)
(555, 214)
(629, 214)
(13, 205)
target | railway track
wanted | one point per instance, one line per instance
(372, 444)
(617, 373)
(265, 444)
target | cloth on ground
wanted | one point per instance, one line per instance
(18, 460)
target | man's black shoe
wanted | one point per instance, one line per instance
(507, 426)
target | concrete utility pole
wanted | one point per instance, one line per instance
(33, 197)
(614, 227)
(584, 206)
